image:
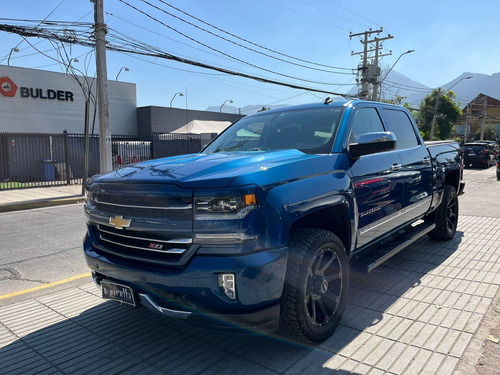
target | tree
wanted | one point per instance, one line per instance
(396, 99)
(489, 133)
(447, 113)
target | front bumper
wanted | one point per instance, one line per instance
(192, 292)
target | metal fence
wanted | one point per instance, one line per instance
(171, 144)
(36, 160)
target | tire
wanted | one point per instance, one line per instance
(446, 216)
(498, 173)
(316, 285)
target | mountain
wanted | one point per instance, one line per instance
(398, 84)
(468, 89)
(246, 110)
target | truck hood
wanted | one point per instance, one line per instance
(224, 169)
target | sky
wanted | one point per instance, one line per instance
(449, 37)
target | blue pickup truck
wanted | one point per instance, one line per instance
(263, 227)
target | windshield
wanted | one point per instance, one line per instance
(309, 130)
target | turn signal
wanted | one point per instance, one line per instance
(250, 199)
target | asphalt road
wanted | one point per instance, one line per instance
(40, 246)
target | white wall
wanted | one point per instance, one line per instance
(29, 115)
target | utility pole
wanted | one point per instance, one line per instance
(485, 105)
(436, 106)
(370, 72)
(102, 88)
(466, 122)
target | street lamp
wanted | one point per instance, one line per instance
(177, 93)
(122, 68)
(10, 54)
(230, 101)
(433, 123)
(392, 67)
(73, 59)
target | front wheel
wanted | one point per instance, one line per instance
(316, 285)
(446, 216)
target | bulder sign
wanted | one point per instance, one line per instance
(9, 88)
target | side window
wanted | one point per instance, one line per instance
(366, 120)
(402, 128)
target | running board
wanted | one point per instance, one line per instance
(375, 258)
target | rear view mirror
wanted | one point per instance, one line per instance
(371, 143)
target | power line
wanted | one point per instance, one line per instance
(250, 42)
(164, 36)
(323, 10)
(308, 16)
(350, 11)
(48, 15)
(409, 87)
(42, 33)
(225, 54)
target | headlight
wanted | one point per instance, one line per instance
(224, 207)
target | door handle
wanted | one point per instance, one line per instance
(396, 167)
(426, 160)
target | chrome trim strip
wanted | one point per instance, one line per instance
(427, 199)
(170, 251)
(382, 221)
(149, 303)
(182, 241)
(395, 215)
(187, 207)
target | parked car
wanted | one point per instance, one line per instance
(263, 227)
(480, 154)
(498, 167)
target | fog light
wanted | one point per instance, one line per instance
(227, 283)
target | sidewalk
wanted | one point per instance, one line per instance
(422, 312)
(23, 199)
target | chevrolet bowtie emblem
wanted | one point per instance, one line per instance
(119, 222)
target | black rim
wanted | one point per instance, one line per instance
(451, 214)
(323, 287)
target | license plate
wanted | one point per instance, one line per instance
(472, 154)
(118, 292)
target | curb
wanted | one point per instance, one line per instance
(39, 203)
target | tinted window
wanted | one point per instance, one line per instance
(402, 128)
(308, 130)
(366, 120)
(477, 147)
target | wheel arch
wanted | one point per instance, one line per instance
(335, 219)
(452, 178)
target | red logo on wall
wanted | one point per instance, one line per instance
(7, 87)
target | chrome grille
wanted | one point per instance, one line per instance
(161, 217)
(143, 242)
(143, 246)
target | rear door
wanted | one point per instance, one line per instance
(377, 181)
(416, 166)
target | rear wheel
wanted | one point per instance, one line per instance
(316, 285)
(446, 216)
(498, 172)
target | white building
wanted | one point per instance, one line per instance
(39, 101)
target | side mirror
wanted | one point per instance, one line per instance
(371, 143)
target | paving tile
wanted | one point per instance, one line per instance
(460, 344)
(419, 362)
(366, 348)
(448, 366)
(391, 356)
(404, 360)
